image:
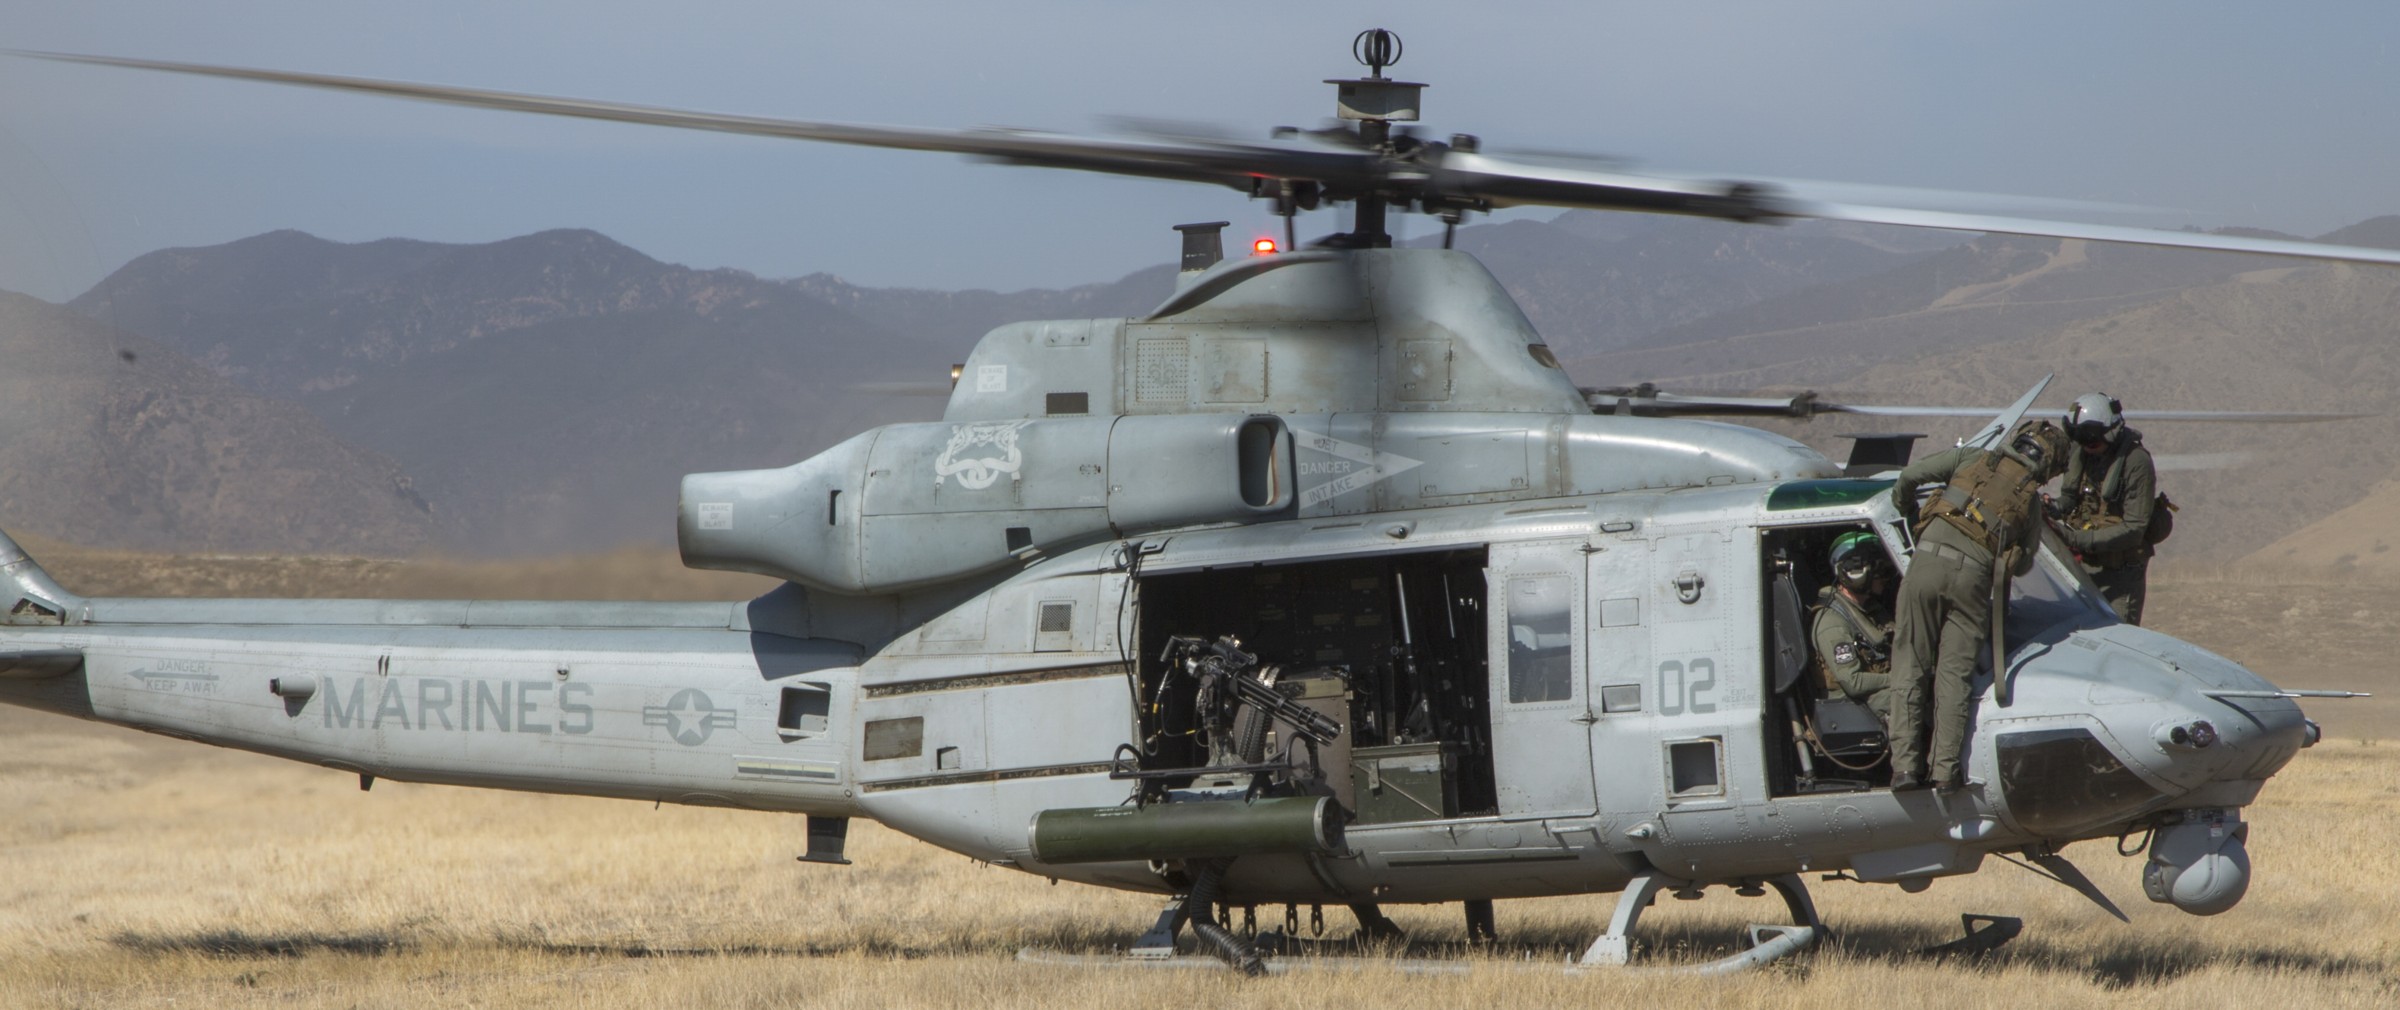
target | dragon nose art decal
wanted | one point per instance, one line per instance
(689, 717)
(976, 469)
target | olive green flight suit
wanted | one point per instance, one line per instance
(2107, 501)
(1865, 678)
(1943, 624)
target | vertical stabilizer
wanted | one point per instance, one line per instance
(28, 595)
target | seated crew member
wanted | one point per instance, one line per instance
(1853, 627)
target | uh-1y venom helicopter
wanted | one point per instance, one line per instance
(1322, 583)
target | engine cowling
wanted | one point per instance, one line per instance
(912, 505)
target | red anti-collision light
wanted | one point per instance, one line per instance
(1263, 247)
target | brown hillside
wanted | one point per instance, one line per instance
(2359, 540)
(106, 437)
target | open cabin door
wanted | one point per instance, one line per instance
(1540, 704)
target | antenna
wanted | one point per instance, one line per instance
(1376, 48)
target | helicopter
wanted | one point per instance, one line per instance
(1322, 583)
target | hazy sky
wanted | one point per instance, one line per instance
(2275, 115)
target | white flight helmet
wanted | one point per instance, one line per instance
(2095, 417)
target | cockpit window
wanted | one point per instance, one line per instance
(2056, 781)
(2056, 591)
(1815, 494)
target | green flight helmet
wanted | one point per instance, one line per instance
(1858, 559)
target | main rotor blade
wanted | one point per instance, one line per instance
(1468, 178)
(1471, 179)
(1192, 161)
(1651, 401)
(906, 387)
(2193, 462)
(1465, 178)
(2245, 416)
(1950, 221)
(1345, 174)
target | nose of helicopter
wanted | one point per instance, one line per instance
(2193, 726)
(2116, 724)
(2196, 722)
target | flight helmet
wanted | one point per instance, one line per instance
(2095, 417)
(1858, 560)
(2043, 447)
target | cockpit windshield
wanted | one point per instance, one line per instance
(2055, 592)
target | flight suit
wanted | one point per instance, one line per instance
(2107, 503)
(1856, 670)
(1943, 622)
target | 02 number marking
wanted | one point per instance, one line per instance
(1687, 687)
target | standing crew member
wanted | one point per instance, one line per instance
(2108, 503)
(1853, 629)
(1981, 527)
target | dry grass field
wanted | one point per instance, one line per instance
(142, 871)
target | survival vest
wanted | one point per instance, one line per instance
(1988, 499)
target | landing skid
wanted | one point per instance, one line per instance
(1609, 954)
(1614, 949)
(1771, 943)
(1985, 933)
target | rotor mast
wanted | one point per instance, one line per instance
(1375, 102)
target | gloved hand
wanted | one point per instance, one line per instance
(1906, 505)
